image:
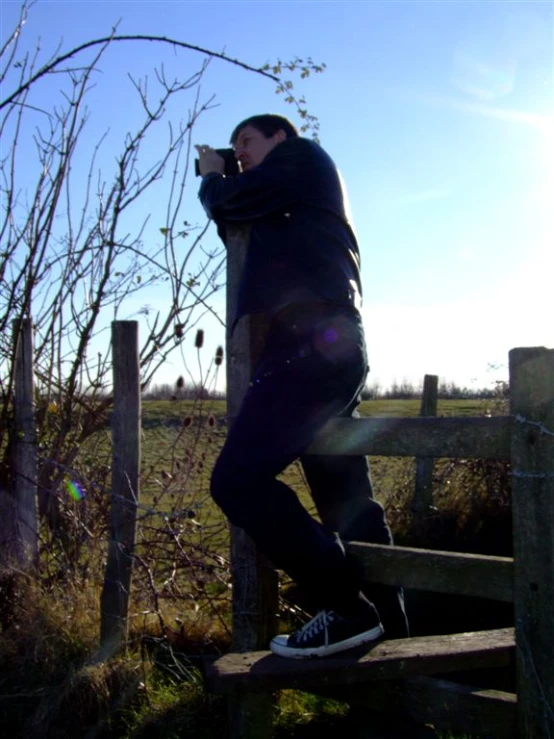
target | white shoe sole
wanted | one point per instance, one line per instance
(278, 645)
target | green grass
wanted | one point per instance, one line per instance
(166, 442)
(167, 411)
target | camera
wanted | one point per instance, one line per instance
(231, 164)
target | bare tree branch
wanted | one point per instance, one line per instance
(51, 66)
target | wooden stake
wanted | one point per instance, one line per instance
(25, 453)
(532, 404)
(423, 494)
(255, 594)
(125, 486)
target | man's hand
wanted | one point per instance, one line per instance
(209, 160)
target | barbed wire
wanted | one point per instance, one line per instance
(537, 424)
(532, 475)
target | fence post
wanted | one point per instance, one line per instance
(114, 602)
(532, 406)
(19, 508)
(255, 594)
(423, 494)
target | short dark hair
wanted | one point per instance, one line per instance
(268, 124)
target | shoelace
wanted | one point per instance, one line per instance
(318, 623)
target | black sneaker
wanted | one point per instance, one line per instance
(328, 633)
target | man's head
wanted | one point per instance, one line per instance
(256, 136)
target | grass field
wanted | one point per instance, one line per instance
(180, 602)
(167, 411)
(181, 440)
(186, 453)
(166, 441)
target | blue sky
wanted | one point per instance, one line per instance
(440, 117)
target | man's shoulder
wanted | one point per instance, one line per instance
(299, 143)
(302, 149)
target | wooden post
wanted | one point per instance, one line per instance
(532, 406)
(19, 506)
(423, 494)
(125, 486)
(255, 594)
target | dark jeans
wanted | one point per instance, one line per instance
(313, 369)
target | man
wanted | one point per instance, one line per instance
(302, 271)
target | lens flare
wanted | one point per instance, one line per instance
(330, 336)
(75, 490)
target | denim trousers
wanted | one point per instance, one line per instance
(313, 368)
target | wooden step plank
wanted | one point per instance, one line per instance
(449, 436)
(442, 572)
(386, 660)
(445, 704)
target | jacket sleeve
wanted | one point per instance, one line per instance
(271, 186)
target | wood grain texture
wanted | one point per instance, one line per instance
(387, 660)
(255, 584)
(442, 572)
(532, 404)
(423, 492)
(461, 438)
(25, 449)
(126, 428)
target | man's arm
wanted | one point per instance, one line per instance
(273, 185)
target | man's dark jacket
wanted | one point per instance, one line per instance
(302, 248)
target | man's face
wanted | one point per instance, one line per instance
(251, 146)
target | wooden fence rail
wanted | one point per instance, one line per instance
(476, 575)
(458, 438)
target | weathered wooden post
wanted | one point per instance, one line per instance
(114, 601)
(423, 493)
(255, 593)
(532, 406)
(22, 508)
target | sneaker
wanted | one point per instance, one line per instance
(328, 633)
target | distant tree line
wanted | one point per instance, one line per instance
(406, 390)
(403, 390)
(167, 391)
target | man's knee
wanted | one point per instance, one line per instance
(365, 521)
(222, 484)
(231, 489)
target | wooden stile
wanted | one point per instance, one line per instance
(526, 438)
